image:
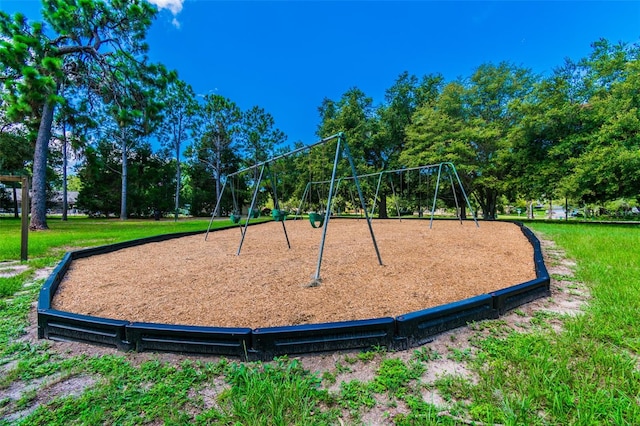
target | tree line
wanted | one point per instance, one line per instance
(80, 86)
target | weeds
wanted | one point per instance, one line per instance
(425, 354)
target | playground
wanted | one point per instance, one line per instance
(191, 281)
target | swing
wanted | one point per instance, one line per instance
(235, 217)
(279, 215)
(316, 219)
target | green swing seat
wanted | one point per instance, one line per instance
(279, 215)
(235, 217)
(316, 219)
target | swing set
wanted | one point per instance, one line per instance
(317, 220)
(451, 173)
(443, 171)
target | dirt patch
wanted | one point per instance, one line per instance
(40, 392)
(11, 269)
(197, 282)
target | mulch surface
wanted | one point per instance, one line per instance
(191, 281)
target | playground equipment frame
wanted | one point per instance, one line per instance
(342, 148)
(450, 169)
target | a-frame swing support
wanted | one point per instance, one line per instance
(451, 172)
(342, 148)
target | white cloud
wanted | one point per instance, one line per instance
(174, 6)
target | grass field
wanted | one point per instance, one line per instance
(584, 373)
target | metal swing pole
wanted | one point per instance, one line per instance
(340, 179)
(327, 214)
(435, 196)
(253, 203)
(213, 215)
(455, 196)
(276, 204)
(375, 197)
(464, 194)
(304, 194)
(395, 198)
(364, 207)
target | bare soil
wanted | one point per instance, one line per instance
(191, 281)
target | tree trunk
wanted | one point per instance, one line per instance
(39, 186)
(530, 209)
(178, 175)
(382, 209)
(218, 164)
(218, 189)
(488, 204)
(64, 173)
(15, 202)
(123, 201)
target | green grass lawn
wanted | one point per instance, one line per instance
(83, 232)
(586, 374)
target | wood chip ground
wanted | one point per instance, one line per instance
(191, 281)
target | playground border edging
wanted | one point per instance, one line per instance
(405, 331)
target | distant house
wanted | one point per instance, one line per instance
(54, 203)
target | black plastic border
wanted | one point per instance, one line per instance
(419, 327)
(405, 331)
(184, 338)
(333, 336)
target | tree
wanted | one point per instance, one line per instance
(578, 136)
(354, 115)
(180, 117)
(15, 150)
(551, 131)
(89, 41)
(150, 180)
(100, 179)
(396, 114)
(217, 134)
(258, 135)
(474, 118)
(136, 111)
(70, 127)
(606, 168)
(384, 146)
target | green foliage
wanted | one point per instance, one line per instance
(95, 45)
(394, 376)
(278, 393)
(152, 182)
(426, 354)
(467, 125)
(9, 285)
(258, 136)
(355, 394)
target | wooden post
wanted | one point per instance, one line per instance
(24, 240)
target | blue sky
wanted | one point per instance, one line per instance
(287, 56)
